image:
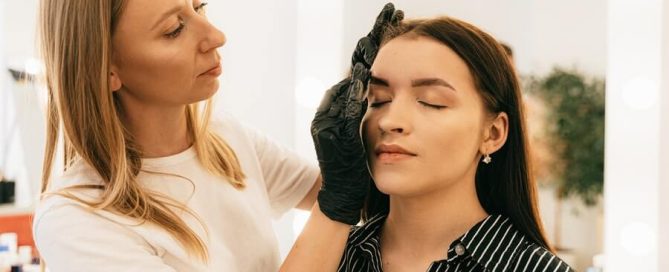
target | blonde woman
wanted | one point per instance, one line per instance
(150, 183)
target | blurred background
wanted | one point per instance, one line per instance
(592, 80)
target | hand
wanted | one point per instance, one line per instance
(341, 157)
(368, 46)
(336, 130)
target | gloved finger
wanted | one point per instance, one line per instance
(365, 52)
(327, 144)
(382, 21)
(331, 95)
(360, 72)
(355, 99)
(397, 17)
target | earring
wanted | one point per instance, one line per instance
(487, 159)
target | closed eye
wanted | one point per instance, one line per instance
(378, 104)
(438, 107)
(175, 33)
(200, 7)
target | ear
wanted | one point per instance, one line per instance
(495, 134)
(115, 82)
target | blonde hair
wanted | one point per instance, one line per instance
(76, 46)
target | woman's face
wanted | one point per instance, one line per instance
(164, 53)
(424, 124)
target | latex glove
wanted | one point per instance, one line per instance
(336, 131)
(368, 46)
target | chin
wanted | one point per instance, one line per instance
(396, 184)
(204, 93)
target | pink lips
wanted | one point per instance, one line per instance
(392, 153)
(214, 71)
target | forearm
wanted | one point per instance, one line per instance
(319, 247)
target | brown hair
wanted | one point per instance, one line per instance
(76, 45)
(505, 186)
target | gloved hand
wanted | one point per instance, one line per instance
(336, 130)
(368, 46)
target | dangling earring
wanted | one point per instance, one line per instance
(487, 159)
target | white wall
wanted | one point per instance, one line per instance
(636, 136)
(259, 63)
(542, 33)
(663, 241)
(19, 25)
(20, 101)
(4, 119)
(258, 80)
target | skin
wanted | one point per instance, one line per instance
(157, 74)
(158, 70)
(423, 99)
(163, 56)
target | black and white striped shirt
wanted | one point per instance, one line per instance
(491, 245)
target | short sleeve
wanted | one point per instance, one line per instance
(288, 176)
(285, 176)
(70, 238)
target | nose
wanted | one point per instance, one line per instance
(396, 119)
(212, 40)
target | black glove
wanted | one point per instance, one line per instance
(368, 46)
(336, 131)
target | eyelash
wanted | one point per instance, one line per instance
(431, 105)
(177, 31)
(201, 7)
(379, 104)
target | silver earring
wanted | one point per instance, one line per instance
(487, 159)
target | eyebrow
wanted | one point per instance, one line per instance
(167, 14)
(378, 81)
(421, 82)
(431, 82)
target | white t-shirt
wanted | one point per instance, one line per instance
(238, 235)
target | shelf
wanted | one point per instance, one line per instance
(13, 209)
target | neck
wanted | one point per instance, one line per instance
(157, 131)
(424, 226)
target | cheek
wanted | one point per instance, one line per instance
(453, 144)
(158, 75)
(168, 69)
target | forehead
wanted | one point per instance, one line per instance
(412, 56)
(148, 12)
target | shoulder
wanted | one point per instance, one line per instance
(79, 173)
(226, 123)
(495, 243)
(57, 215)
(240, 136)
(61, 221)
(533, 256)
(370, 229)
(73, 237)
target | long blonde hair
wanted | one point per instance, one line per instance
(76, 46)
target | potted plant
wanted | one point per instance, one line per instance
(569, 152)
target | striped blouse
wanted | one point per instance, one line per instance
(491, 245)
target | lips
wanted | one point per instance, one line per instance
(213, 71)
(393, 149)
(392, 153)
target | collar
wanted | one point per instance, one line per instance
(482, 242)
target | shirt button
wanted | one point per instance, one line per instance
(459, 249)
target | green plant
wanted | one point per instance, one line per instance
(575, 123)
